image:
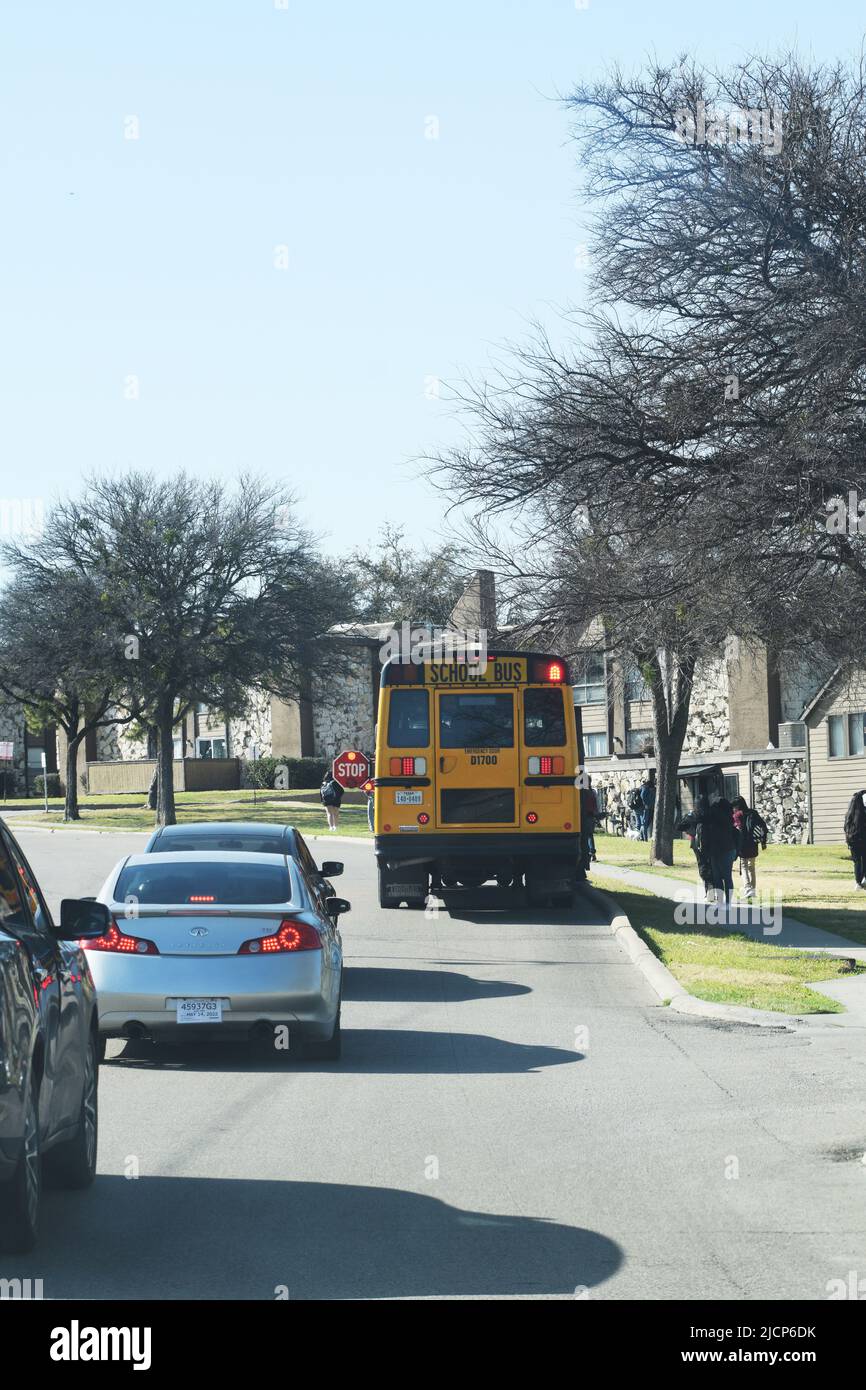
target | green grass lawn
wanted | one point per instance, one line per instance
(722, 965)
(814, 882)
(130, 813)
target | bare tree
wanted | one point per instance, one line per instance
(211, 592)
(58, 655)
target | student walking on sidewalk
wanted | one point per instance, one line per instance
(331, 794)
(855, 836)
(752, 830)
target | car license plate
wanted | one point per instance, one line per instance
(408, 798)
(199, 1011)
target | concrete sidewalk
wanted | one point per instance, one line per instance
(746, 918)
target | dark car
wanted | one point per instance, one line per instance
(250, 837)
(49, 1046)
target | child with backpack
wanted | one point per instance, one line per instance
(332, 795)
(753, 834)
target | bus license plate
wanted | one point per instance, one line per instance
(409, 798)
(199, 1011)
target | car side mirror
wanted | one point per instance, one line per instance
(332, 868)
(83, 918)
(335, 907)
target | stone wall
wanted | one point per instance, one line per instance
(709, 726)
(116, 742)
(780, 795)
(343, 713)
(12, 729)
(253, 727)
(616, 784)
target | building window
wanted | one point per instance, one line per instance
(595, 745)
(846, 735)
(589, 682)
(732, 785)
(636, 687)
(639, 741)
(177, 748)
(211, 747)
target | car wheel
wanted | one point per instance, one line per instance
(73, 1163)
(21, 1196)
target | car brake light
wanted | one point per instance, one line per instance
(290, 936)
(116, 940)
(546, 766)
(201, 898)
(407, 767)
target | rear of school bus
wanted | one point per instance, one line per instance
(475, 778)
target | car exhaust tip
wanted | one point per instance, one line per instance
(136, 1031)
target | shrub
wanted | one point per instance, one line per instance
(302, 772)
(54, 787)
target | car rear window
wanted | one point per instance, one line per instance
(247, 844)
(202, 884)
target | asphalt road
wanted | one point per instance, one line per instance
(515, 1115)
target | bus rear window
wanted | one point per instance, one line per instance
(408, 719)
(543, 719)
(476, 721)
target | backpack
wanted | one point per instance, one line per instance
(634, 800)
(330, 792)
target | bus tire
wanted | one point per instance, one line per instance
(386, 899)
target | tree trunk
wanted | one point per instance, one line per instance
(668, 750)
(672, 695)
(70, 805)
(165, 809)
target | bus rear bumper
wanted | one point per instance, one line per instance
(396, 850)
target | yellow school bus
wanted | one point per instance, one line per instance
(475, 777)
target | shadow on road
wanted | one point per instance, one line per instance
(199, 1238)
(372, 983)
(366, 1051)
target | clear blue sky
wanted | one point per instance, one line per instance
(408, 258)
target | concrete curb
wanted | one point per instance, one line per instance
(677, 997)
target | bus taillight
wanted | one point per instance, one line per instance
(408, 767)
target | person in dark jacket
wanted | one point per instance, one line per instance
(753, 834)
(588, 819)
(721, 842)
(689, 826)
(332, 795)
(647, 803)
(855, 836)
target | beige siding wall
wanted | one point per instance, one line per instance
(594, 718)
(834, 780)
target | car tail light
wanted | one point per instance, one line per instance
(290, 936)
(116, 940)
(423, 818)
(532, 817)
